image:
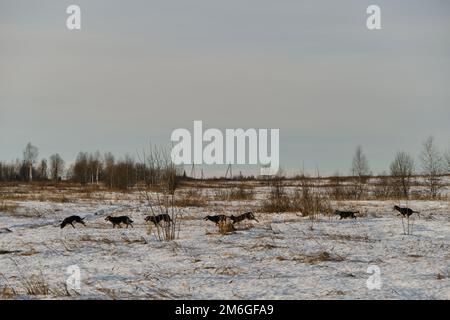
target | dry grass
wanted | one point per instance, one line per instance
(441, 275)
(10, 208)
(187, 201)
(7, 292)
(305, 199)
(88, 238)
(36, 285)
(33, 213)
(313, 258)
(239, 193)
(228, 271)
(191, 198)
(112, 294)
(278, 200)
(347, 237)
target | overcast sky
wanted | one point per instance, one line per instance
(137, 70)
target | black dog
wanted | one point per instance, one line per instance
(158, 218)
(346, 214)
(405, 211)
(118, 220)
(70, 220)
(216, 219)
(244, 216)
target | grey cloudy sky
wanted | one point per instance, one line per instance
(139, 69)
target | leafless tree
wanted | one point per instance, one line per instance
(80, 172)
(30, 155)
(109, 172)
(402, 170)
(163, 176)
(447, 160)
(56, 166)
(432, 165)
(95, 164)
(360, 171)
(43, 168)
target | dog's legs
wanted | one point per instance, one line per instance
(72, 225)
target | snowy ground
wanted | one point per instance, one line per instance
(279, 257)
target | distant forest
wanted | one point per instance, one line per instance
(154, 166)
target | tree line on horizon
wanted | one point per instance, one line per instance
(126, 172)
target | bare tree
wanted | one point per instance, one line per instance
(96, 166)
(43, 167)
(162, 175)
(432, 165)
(447, 160)
(80, 169)
(360, 171)
(109, 164)
(30, 155)
(402, 170)
(56, 166)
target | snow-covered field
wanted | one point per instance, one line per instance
(283, 256)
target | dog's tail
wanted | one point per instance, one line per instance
(83, 218)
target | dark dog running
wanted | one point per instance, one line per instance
(216, 219)
(158, 218)
(346, 214)
(405, 212)
(119, 220)
(70, 220)
(244, 216)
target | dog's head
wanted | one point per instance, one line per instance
(396, 208)
(108, 218)
(251, 216)
(206, 218)
(63, 224)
